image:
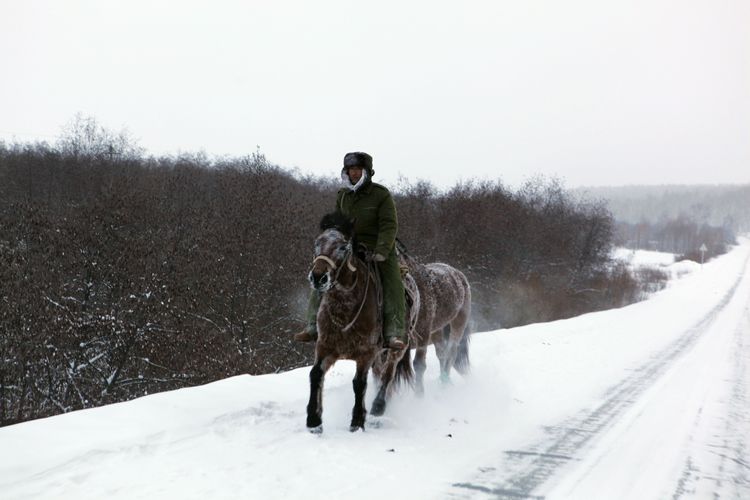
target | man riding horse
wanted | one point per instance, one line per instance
(371, 207)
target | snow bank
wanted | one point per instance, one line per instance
(643, 257)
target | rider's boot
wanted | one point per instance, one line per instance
(395, 343)
(394, 305)
(394, 336)
(310, 332)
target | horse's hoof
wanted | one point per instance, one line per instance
(378, 407)
(313, 421)
(375, 424)
(316, 430)
(357, 424)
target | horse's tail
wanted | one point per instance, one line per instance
(462, 354)
(404, 370)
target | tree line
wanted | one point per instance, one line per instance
(682, 236)
(122, 275)
(717, 206)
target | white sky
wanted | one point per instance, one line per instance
(594, 92)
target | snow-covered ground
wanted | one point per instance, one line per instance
(645, 402)
(639, 257)
(640, 260)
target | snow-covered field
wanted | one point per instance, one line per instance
(645, 402)
(644, 257)
(649, 259)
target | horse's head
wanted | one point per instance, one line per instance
(333, 251)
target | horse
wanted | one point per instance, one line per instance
(349, 321)
(443, 317)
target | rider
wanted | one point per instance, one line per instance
(375, 225)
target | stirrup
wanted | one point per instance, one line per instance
(306, 336)
(395, 343)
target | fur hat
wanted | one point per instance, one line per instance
(359, 159)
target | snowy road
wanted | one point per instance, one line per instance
(686, 405)
(645, 402)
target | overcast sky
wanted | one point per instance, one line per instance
(595, 92)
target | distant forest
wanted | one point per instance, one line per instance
(718, 205)
(677, 219)
(123, 274)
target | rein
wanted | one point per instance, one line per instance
(362, 305)
(353, 269)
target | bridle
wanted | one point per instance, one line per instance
(332, 265)
(334, 282)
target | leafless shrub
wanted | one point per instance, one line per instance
(651, 279)
(122, 276)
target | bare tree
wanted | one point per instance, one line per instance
(83, 136)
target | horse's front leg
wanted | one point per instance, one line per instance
(387, 375)
(315, 405)
(360, 388)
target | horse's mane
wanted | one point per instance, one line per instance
(338, 221)
(345, 225)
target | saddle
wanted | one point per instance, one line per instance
(409, 295)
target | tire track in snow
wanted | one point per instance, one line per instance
(522, 472)
(731, 473)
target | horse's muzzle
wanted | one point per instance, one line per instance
(321, 282)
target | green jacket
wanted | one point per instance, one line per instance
(374, 214)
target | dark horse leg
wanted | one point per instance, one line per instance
(360, 387)
(315, 405)
(386, 377)
(420, 365)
